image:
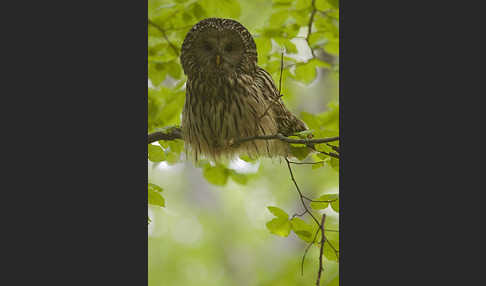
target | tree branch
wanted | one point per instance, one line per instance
(176, 133)
(286, 139)
(323, 239)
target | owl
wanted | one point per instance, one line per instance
(229, 97)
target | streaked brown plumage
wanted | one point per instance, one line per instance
(227, 95)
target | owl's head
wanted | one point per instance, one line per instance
(215, 47)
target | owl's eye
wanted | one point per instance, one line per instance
(228, 48)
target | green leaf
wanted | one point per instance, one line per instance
(325, 123)
(324, 147)
(290, 48)
(174, 149)
(279, 226)
(322, 156)
(156, 153)
(154, 195)
(317, 39)
(335, 164)
(246, 158)
(164, 106)
(305, 73)
(329, 253)
(334, 281)
(155, 188)
(264, 47)
(172, 158)
(332, 223)
(322, 204)
(238, 178)
(278, 19)
(323, 5)
(186, 16)
(334, 14)
(334, 3)
(313, 121)
(335, 206)
(273, 66)
(301, 4)
(319, 63)
(318, 165)
(302, 229)
(176, 146)
(278, 212)
(174, 69)
(222, 8)
(328, 197)
(332, 47)
(217, 175)
(301, 17)
(319, 205)
(272, 32)
(300, 152)
(156, 73)
(198, 11)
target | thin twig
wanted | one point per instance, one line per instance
(309, 26)
(335, 148)
(164, 34)
(279, 89)
(301, 196)
(325, 153)
(323, 239)
(297, 214)
(306, 250)
(317, 201)
(306, 163)
(300, 193)
(281, 73)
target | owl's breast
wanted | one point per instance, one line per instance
(216, 116)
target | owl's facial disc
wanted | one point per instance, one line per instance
(220, 51)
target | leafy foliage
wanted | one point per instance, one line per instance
(154, 195)
(280, 225)
(302, 229)
(277, 25)
(333, 238)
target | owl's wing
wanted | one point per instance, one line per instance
(288, 123)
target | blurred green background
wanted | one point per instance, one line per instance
(210, 228)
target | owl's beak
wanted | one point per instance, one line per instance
(218, 60)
